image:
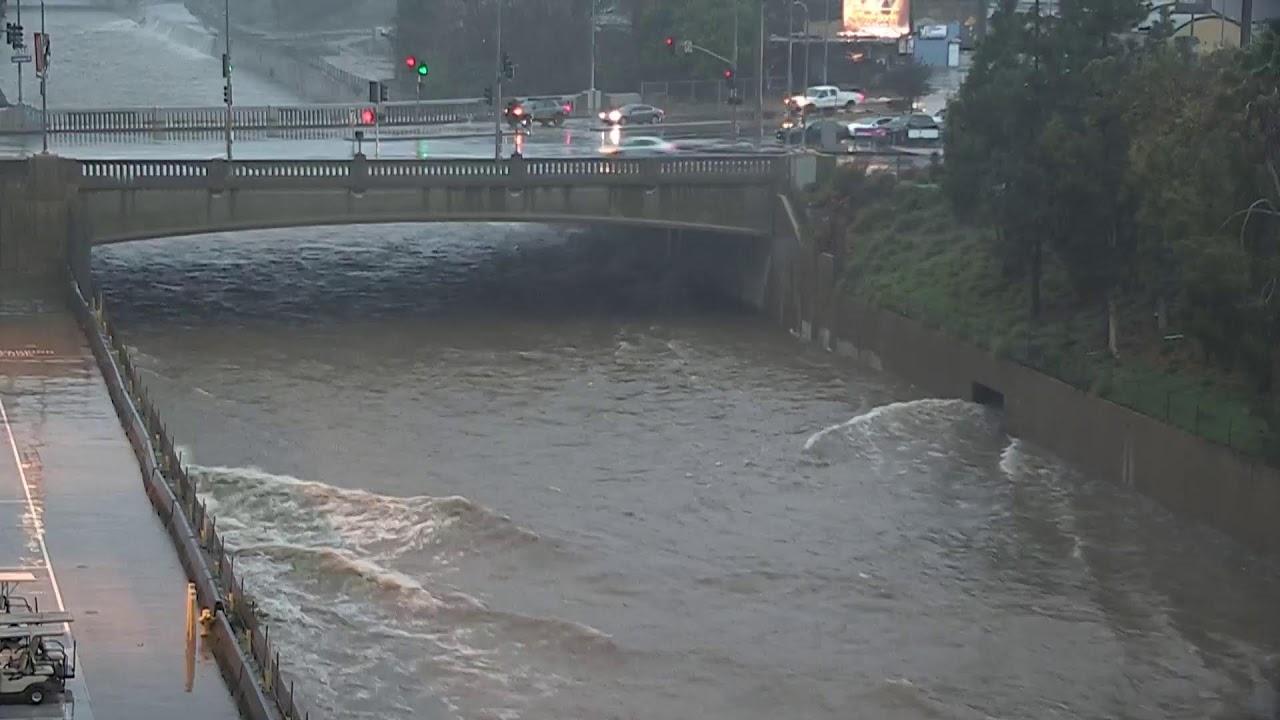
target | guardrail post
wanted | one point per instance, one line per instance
(219, 174)
(358, 173)
(517, 171)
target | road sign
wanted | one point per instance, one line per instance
(19, 59)
(41, 52)
(687, 46)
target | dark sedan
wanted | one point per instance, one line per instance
(634, 114)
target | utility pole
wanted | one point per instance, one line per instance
(760, 80)
(591, 86)
(826, 42)
(791, 54)
(497, 87)
(734, 98)
(42, 60)
(15, 49)
(226, 68)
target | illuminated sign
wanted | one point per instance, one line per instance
(889, 19)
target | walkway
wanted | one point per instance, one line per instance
(73, 512)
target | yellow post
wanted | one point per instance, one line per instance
(191, 636)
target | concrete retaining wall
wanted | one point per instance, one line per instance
(251, 684)
(1194, 478)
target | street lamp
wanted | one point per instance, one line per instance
(760, 79)
(791, 36)
(226, 69)
(591, 86)
(826, 42)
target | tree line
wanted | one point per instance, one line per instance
(1144, 172)
(549, 40)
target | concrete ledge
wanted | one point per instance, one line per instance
(238, 671)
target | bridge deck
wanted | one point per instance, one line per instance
(103, 554)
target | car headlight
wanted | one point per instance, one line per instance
(615, 116)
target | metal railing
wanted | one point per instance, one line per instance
(244, 117)
(362, 172)
(255, 679)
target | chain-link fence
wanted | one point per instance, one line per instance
(236, 631)
(708, 92)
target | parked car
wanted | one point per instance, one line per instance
(872, 130)
(633, 114)
(915, 128)
(811, 134)
(640, 146)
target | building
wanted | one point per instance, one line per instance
(937, 46)
(1202, 26)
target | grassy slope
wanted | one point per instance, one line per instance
(910, 256)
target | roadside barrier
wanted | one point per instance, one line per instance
(239, 639)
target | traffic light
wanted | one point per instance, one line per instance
(374, 94)
(382, 93)
(508, 67)
(411, 61)
(728, 78)
(422, 69)
(13, 35)
(671, 45)
(226, 65)
(488, 96)
(226, 93)
(367, 116)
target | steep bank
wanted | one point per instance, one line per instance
(918, 289)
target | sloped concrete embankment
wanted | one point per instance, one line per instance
(308, 76)
(254, 679)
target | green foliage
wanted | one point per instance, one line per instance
(1125, 193)
(907, 79)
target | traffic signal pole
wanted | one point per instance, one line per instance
(497, 89)
(226, 10)
(20, 64)
(44, 74)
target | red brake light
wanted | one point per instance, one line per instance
(518, 111)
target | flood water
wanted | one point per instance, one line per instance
(505, 471)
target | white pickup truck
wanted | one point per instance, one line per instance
(826, 97)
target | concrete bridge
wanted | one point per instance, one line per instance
(53, 209)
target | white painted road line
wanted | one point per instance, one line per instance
(36, 519)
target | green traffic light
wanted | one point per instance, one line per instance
(422, 68)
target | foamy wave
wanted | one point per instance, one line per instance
(892, 415)
(1021, 464)
(335, 568)
(261, 504)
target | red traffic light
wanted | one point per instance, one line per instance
(410, 61)
(728, 74)
(366, 116)
(671, 41)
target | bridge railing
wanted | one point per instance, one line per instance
(360, 173)
(243, 117)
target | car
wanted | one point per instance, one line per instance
(546, 111)
(811, 134)
(634, 114)
(826, 97)
(873, 129)
(917, 127)
(641, 146)
(516, 116)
